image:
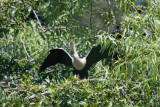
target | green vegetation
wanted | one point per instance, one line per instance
(132, 80)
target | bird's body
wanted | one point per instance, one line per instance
(80, 65)
(77, 62)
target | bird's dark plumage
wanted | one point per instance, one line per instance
(95, 55)
(63, 57)
(56, 56)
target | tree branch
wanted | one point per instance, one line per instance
(25, 48)
(38, 20)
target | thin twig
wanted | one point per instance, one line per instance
(98, 80)
(38, 20)
(25, 48)
(112, 13)
(18, 89)
(46, 93)
(32, 96)
(114, 80)
(41, 94)
(91, 15)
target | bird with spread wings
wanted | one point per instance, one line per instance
(80, 65)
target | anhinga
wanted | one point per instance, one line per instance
(80, 65)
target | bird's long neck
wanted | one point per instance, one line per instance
(75, 54)
(78, 63)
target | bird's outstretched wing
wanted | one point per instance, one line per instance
(56, 56)
(96, 54)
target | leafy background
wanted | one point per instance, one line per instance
(29, 28)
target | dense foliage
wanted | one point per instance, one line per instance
(29, 28)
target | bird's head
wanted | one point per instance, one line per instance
(71, 43)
